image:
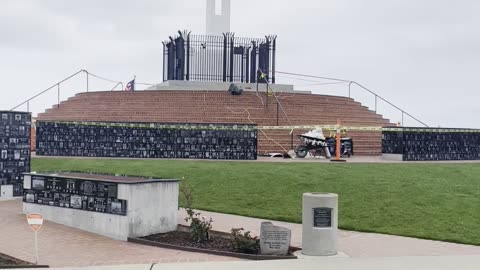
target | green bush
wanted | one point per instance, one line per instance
(243, 242)
(199, 227)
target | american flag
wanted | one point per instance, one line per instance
(130, 86)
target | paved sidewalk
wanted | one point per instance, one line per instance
(397, 263)
(353, 244)
(61, 246)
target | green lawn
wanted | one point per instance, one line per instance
(433, 201)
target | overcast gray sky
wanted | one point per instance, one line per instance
(423, 55)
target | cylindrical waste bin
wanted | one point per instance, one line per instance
(320, 223)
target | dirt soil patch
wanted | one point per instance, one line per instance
(182, 238)
(6, 260)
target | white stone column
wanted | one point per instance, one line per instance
(217, 24)
(320, 224)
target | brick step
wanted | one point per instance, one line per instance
(351, 120)
(221, 107)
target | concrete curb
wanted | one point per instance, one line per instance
(213, 252)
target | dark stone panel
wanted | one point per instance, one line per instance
(147, 140)
(96, 196)
(421, 144)
(14, 148)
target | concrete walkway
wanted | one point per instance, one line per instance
(353, 244)
(61, 246)
(397, 263)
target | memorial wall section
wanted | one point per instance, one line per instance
(113, 206)
(430, 144)
(147, 140)
(14, 151)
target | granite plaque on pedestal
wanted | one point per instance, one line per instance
(322, 217)
(274, 240)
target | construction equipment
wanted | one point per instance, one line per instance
(315, 143)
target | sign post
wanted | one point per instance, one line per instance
(338, 144)
(35, 221)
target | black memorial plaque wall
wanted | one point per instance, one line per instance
(96, 196)
(421, 144)
(151, 140)
(14, 148)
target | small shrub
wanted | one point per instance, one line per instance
(199, 227)
(243, 242)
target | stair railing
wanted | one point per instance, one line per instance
(57, 86)
(376, 96)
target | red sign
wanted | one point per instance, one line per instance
(35, 221)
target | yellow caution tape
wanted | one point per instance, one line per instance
(251, 127)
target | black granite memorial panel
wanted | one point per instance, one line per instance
(421, 144)
(322, 217)
(96, 196)
(14, 148)
(150, 140)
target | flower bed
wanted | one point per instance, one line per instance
(219, 244)
(11, 262)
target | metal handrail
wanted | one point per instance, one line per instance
(350, 82)
(51, 87)
(119, 83)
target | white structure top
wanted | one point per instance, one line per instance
(218, 17)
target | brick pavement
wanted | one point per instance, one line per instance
(61, 246)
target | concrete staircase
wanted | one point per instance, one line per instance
(221, 107)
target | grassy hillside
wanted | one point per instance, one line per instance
(433, 201)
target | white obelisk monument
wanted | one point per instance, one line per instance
(218, 17)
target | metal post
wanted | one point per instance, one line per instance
(273, 58)
(277, 113)
(232, 41)
(36, 248)
(291, 139)
(402, 118)
(247, 66)
(28, 106)
(349, 88)
(58, 95)
(87, 80)
(375, 103)
(188, 57)
(225, 44)
(164, 54)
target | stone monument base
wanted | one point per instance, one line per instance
(222, 86)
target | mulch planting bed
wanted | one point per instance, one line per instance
(218, 244)
(184, 239)
(11, 262)
(5, 262)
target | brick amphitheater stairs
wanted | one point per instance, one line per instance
(221, 107)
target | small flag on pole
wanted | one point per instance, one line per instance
(130, 86)
(262, 77)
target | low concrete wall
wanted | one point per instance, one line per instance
(219, 86)
(393, 157)
(151, 208)
(6, 192)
